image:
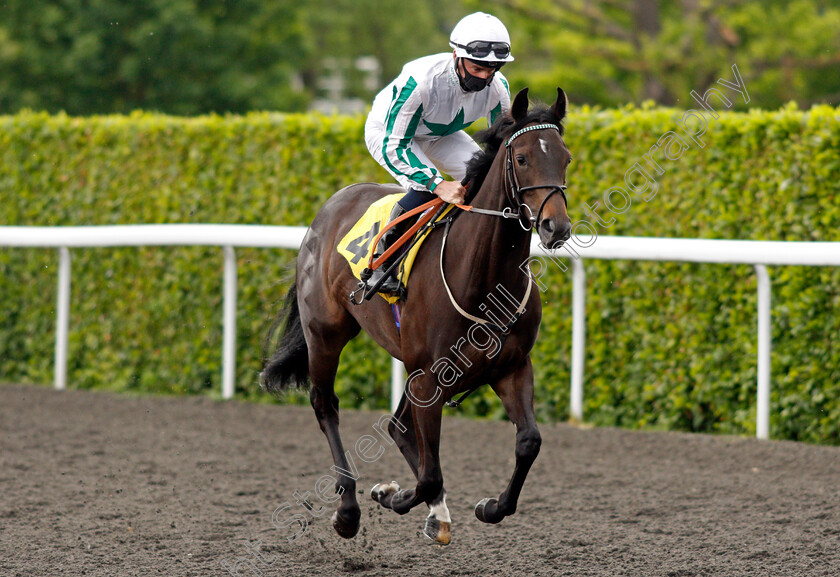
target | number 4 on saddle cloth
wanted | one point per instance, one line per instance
(358, 244)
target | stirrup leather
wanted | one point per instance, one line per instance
(390, 285)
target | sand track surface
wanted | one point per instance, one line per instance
(99, 484)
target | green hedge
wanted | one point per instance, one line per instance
(669, 345)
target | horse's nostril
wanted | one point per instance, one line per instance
(548, 226)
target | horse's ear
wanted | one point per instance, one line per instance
(559, 107)
(520, 105)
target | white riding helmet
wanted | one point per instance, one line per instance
(481, 37)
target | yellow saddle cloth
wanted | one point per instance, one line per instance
(357, 245)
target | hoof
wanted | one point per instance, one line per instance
(343, 527)
(487, 511)
(438, 531)
(381, 491)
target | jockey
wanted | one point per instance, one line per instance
(415, 127)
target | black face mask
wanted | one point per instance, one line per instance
(469, 82)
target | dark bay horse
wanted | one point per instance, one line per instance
(451, 340)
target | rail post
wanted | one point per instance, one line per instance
(62, 323)
(762, 418)
(578, 337)
(229, 328)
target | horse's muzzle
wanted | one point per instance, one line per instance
(553, 233)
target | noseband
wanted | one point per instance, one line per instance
(529, 221)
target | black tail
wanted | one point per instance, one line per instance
(288, 367)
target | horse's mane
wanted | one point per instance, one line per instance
(493, 138)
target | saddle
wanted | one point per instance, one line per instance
(358, 244)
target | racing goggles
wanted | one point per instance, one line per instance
(481, 49)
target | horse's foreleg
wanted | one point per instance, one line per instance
(401, 429)
(429, 488)
(516, 391)
(322, 370)
(438, 523)
(429, 476)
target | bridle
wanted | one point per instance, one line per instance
(514, 191)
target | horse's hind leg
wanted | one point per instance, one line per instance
(324, 351)
(516, 391)
(401, 429)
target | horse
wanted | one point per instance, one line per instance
(515, 183)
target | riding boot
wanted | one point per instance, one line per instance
(391, 285)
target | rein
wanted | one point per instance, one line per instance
(519, 310)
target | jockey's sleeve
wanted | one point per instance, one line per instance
(503, 107)
(404, 115)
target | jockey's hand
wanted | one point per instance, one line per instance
(451, 191)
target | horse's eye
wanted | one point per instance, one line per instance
(520, 160)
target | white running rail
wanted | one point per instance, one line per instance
(760, 254)
(228, 236)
